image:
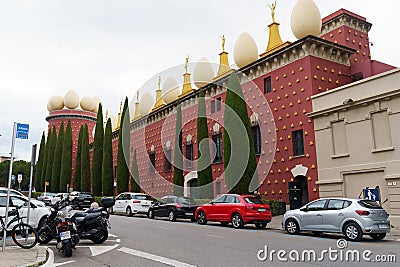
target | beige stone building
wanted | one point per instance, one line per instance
(357, 128)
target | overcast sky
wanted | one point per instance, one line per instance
(111, 48)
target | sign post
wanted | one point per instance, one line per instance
(33, 161)
(20, 131)
(19, 180)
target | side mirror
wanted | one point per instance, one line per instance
(304, 209)
(33, 205)
(212, 202)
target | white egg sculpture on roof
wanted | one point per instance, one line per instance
(71, 99)
(170, 90)
(56, 102)
(203, 72)
(96, 101)
(114, 121)
(146, 103)
(87, 103)
(305, 19)
(245, 50)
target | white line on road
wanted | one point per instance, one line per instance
(118, 240)
(62, 263)
(154, 257)
(111, 235)
(217, 236)
(162, 227)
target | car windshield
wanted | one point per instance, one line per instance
(186, 200)
(143, 197)
(85, 195)
(369, 204)
(254, 200)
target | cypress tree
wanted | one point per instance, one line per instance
(78, 163)
(56, 170)
(123, 156)
(39, 164)
(204, 175)
(85, 161)
(66, 159)
(236, 131)
(52, 139)
(45, 160)
(178, 157)
(97, 160)
(107, 167)
(135, 181)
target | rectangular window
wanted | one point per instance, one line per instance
(152, 163)
(167, 160)
(189, 155)
(298, 143)
(218, 187)
(219, 100)
(218, 146)
(339, 139)
(213, 106)
(381, 130)
(256, 138)
(267, 85)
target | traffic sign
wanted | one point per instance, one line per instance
(22, 131)
(19, 178)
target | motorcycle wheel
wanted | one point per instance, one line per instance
(68, 249)
(100, 237)
(44, 235)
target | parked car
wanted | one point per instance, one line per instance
(3, 190)
(132, 203)
(46, 197)
(81, 199)
(37, 215)
(352, 217)
(173, 207)
(236, 209)
(59, 197)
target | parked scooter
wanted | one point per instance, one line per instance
(66, 231)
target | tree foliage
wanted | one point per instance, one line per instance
(19, 167)
(178, 157)
(78, 162)
(52, 140)
(123, 156)
(85, 161)
(204, 172)
(97, 160)
(39, 164)
(135, 181)
(66, 159)
(56, 170)
(107, 166)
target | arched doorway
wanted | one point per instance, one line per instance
(298, 189)
(193, 190)
(190, 184)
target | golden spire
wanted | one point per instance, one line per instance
(274, 41)
(187, 85)
(119, 115)
(137, 113)
(224, 67)
(159, 100)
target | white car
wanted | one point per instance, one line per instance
(37, 215)
(3, 190)
(132, 203)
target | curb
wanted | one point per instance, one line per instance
(50, 258)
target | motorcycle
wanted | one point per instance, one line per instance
(66, 231)
(92, 224)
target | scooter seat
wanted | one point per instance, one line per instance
(91, 216)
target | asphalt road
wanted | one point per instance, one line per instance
(138, 241)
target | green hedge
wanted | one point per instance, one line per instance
(277, 207)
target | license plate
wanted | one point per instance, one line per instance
(261, 210)
(189, 213)
(65, 235)
(383, 226)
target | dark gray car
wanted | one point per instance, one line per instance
(352, 217)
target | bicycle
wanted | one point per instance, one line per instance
(24, 235)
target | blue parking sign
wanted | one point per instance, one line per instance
(22, 131)
(371, 194)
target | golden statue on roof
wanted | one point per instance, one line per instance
(272, 7)
(137, 96)
(187, 63)
(223, 42)
(159, 82)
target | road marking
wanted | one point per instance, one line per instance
(217, 236)
(153, 257)
(62, 263)
(397, 239)
(100, 250)
(111, 235)
(162, 227)
(118, 240)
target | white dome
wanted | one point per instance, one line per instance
(71, 99)
(170, 90)
(114, 121)
(305, 19)
(87, 103)
(96, 101)
(146, 104)
(245, 50)
(56, 102)
(203, 72)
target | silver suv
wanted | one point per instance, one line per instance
(352, 217)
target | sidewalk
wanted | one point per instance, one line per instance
(16, 256)
(277, 220)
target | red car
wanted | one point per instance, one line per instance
(236, 209)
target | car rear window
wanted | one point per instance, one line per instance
(186, 200)
(85, 195)
(142, 197)
(254, 200)
(370, 204)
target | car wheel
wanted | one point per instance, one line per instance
(352, 232)
(237, 221)
(201, 218)
(260, 225)
(224, 223)
(292, 227)
(42, 221)
(171, 216)
(378, 236)
(150, 214)
(128, 212)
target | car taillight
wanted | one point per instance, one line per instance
(178, 205)
(249, 207)
(136, 201)
(362, 212)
